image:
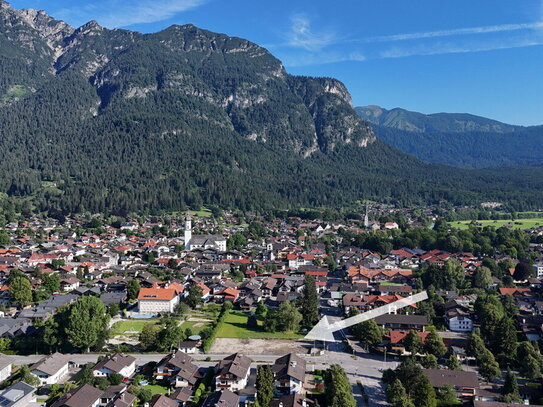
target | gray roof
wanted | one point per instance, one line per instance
(51, 364)
(402, 319)
(223, 398)
(115, 363)
(289, 365)
(5, 361)
(236, 364)
(84, 396)
(12, 394)
(455, 378)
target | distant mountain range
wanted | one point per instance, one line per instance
(457, 139)
(117, 121)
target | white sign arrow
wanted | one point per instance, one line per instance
(324, 330)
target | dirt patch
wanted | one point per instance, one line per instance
(196, 319)
(198, 325)
(259, 346)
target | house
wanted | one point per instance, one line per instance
(51, 369)
(396, 339)
(117, 396)
(125, 365)
(499, 404)
(17, 395)
(188, 346)
(402, 322)
(464, 383)
(83, 396)
(292, 400)
(538, 270)
(69, 284)
(289, 374)
(178, 370)
(155, 300)
(224, 398)
(182, 396)
(160, 400)
(5, 367)
(232, 372)
(459, 323)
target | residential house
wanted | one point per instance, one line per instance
(178, 370)
(125, 365)
(224, 398)
(51, 369)
(292, 400)
(402, 322)
(289, 374)
(464, 383)
(83, 396)
(5, 367)
(232, 372)
(160, 400)
(17, 395)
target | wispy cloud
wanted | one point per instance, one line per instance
(442, 49)
(453, 32)
(124, 13)
(301, 35)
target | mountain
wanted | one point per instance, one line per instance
(93, 119)
(461, 140)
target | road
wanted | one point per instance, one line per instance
(364, 368)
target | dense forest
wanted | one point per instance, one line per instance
(459, 140)
(117, 121)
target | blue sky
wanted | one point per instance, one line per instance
(476, 56)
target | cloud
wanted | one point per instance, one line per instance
(124, 13)
(442, 49)
(454, 32)
(301, 35)
(320, 58)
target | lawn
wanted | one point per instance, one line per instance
(190, 324)
(235, 326)
(156, 388)
(121, 327)
(516, 224)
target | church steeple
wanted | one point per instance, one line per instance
(188, 232)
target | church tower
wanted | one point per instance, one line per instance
(188, 232)
(366, 218)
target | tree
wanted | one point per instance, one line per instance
(488, 367)
(144, 394)
(236, 242)
(51, 283)
(169, 335)
(86, 376)
(113, 309)
(337, 388)
(194, 297)
(429, 362)
(149, 336)
(476, 345)
(309, 303)
(510, 386)
(507, 343)
(50, 334)
(87, 323)
(26, 376)
(434, 345)
(20, 290)
(522, 271)
(482, 277)
(264, 385)
(290, 317)
(447, 395)
(424, 394)
(181, 309)
(413, 343)
(397, 395)
(530, 360)
(452, 363)
(261, 310)
(115, 379)
(369, 332)
(133, 289)
(4, 238)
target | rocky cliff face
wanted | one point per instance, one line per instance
(248, 89)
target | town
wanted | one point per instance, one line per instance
(211, 308)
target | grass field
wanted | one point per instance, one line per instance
(516, 224)
(195, 330)
(235, 326)
(121, 327)
(156, 389)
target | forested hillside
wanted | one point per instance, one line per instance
(114, 120)
(460, 140)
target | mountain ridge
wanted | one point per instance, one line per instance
(93, 119)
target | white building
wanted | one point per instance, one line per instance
(125, 365)
(155, 300)
(232, 373)
(51, 369)
(460, 323)
(217, 242)
(5, 367)
(538, 270)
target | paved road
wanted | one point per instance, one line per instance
(363, 368)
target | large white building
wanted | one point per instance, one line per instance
(217, 242)
(538, 270)
(155, 300)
